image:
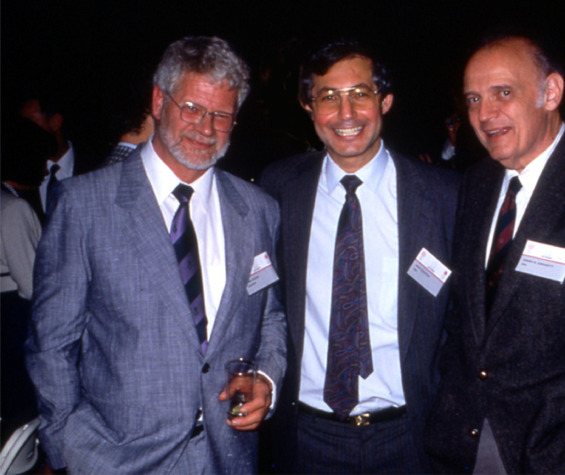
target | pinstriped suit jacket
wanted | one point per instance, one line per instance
(426, 210)
(114, 352)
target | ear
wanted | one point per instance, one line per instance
(386, 103)
(308, 109)
(553, 91)
(157, 102)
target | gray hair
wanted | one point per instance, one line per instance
(202, 55)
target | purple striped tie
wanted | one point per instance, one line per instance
(502, 239)
(349, 348)
(185, 244)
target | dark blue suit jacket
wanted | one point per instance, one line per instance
(426, 210)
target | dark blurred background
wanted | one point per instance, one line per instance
(91, 52)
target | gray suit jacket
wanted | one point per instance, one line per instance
(114, 352)
(520, 345)
(426, 211)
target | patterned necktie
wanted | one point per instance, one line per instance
(502, 239)
(349, 348)
(185, 244)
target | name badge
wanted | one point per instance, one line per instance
(543, 260)
(262, 274)
(429, 272)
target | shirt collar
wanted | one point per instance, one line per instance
(531, 173)
(164, 181)
(128, 145)
(66, 162)
(371, 174)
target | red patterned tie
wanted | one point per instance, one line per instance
(502, 239)
(349, 348)
(185, 244)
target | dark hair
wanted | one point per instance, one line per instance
(25, 150)
(321, 60)
(50, 101)
(132, 105)
(545, 55)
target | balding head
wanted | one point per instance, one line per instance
(513, 96)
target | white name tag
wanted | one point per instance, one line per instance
(429, 272)
(543, 260)
(262, 274)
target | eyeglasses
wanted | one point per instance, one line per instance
(193, 113)
(361, 98)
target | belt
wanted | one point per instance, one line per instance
(363, 419)
(198, 429)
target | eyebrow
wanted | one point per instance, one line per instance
(491, 88)
(200, 105)
(328, 88)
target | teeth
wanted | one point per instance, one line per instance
(348, 132)
(497, 131)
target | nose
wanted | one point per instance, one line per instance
(346, 109)
(206, 125)
(487, 110)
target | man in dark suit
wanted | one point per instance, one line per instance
(502, 403)
(132, 326)
(47, 111)
(405, 206)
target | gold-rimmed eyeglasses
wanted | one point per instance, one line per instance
(361, 97)
(193, 113)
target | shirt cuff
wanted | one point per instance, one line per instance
(273, 389)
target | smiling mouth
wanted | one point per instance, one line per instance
(199, 143)
(496, 132)
(348, 132)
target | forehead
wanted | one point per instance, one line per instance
(205, 89)
(31, 106)
(346, 73)
(510, 62)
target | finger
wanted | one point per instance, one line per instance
(249, 422)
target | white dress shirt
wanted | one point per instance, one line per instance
(377, 195)
(66, 167)
(206, 218)
(528, 178)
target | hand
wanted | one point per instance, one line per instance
(256, 409)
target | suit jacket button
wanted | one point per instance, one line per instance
(205, 368)
(483, 375)
(474, 432)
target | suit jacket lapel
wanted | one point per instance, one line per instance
(480, 207)
(147, 232)
(413, 210)
(297, 209)
(542, 213)
(239, 246)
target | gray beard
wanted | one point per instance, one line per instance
(180, 156)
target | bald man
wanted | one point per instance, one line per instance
(502, 401)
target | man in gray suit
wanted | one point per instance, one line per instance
(129, 362)
(502, 404)
(405, 206)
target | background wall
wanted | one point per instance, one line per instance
(94, 51)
